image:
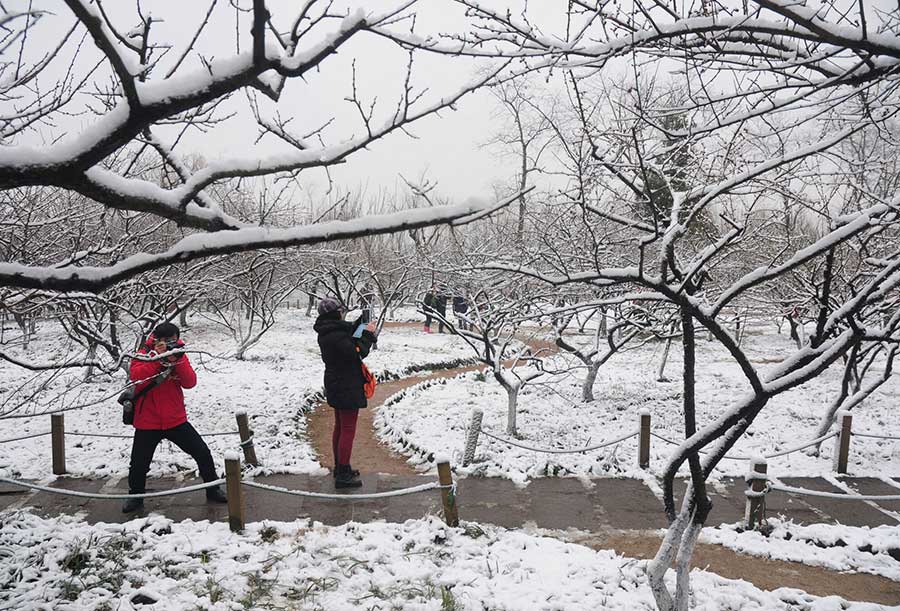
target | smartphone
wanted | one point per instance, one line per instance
(359, 330)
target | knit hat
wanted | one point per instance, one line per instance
(166, 329)
(329, 305)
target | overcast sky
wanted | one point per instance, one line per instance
(448, 149)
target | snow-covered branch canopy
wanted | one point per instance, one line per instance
(158, 90)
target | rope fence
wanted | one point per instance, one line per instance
(97, 495)
(873, 436)
(644, 434)
(777, 485)
(351, 497)
(31, 436)
(58, 434)
(761, 484)
(561, 451)
(235, 486)
(791, 450)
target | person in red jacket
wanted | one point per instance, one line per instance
(159, 413)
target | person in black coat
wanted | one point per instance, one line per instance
(428, 304)
(342, 354)
(440, 308)
(460, 308)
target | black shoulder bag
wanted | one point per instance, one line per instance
(128, 399)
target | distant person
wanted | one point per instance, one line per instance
(460, 309)
(311, 296)
(159, 413)
(428, 305)
(366, 302)
(343, 346)
(440, 309)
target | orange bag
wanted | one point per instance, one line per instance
(369, 382)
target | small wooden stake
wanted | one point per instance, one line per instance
(233, 490)
(756, 502)
(246, 438)
(58, 443)
(842, 441)
(448, 495)
(644, 449)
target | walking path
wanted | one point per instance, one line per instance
(617, 513)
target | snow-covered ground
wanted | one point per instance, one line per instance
(279, 376)
(432, 417)
(63, 563)
(837, 547)
(66, 565)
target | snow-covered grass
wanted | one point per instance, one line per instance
(841, 548)
(67, 565)
(278, 379)
(432, 418)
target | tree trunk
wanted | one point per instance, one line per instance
(512, 397)
(587, 387)
(91, 355)
(683, 566)
(25, 327)
(661, 375)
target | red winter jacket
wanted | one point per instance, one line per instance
(161, 407)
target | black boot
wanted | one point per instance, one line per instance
(132, 505)
(215, 495)
(353, 472)
(345, 478)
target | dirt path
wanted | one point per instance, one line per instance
(761, 572)
(370, 455)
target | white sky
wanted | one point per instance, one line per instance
(447, 150)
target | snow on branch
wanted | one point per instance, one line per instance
(761, 274)
(197, 246)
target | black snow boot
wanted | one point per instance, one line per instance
(215, 495)
(132, 505)
(345, 478)
(353, 472)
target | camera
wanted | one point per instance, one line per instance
(171, 344)
(126, 400)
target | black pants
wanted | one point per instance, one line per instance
(184, 436)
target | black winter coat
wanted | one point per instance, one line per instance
(440, 305)
(343, 373)
(429, 303)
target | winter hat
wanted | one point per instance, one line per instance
(166, 329)
(329, 305)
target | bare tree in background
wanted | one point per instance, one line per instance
(772, 91)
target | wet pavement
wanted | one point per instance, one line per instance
(553, 503)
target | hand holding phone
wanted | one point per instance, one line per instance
(359, 330)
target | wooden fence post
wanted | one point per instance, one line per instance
(58, 442)
(246, 438)
(472, 436)
(644, 446)
(448, 495)
(756, 496)
(233, 490)
(842, 441)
